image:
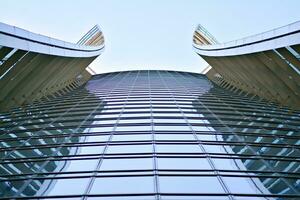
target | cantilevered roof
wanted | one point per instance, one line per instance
(33, 66)
(265, 64)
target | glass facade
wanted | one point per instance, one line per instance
(150, 135)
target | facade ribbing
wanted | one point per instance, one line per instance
(150, 135)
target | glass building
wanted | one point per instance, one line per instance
(150, 135)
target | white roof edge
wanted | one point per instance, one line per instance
(14, 37)
(280, 37)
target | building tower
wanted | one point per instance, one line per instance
(150, 134)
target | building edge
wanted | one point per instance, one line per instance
(266, 65)
(34, 66)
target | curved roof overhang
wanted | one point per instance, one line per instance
(266, 64)
(281, 37)
(14, 37)
(34, 66)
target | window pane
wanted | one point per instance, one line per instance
(182, 197)
(129, 149)
(183, 163)
(250, 185)
(179, 148)
(81, 165)
(90, 150)
(190, 184)
(174, 137)
(171, 128)
(123, 197)
(62, 186)
(123, 185)
(135, 137)
(126, 164)
(133, 128)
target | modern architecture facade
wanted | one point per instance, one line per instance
(143, 134)
(34, 66)
(150, 135)
(265, 65)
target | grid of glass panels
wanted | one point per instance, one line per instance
(150, 135)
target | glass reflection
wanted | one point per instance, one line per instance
(250, 137)
(214, 145)
(33, 142)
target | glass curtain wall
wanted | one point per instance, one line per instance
(150, 135)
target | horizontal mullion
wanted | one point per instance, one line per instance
(151, 155)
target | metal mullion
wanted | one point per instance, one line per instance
(235, 173)
(256, 110)
(60, 116)
(58, 149)
(72, 93)
(86, 172)
(156, 93)
(92, 180)
(163, 194)
(211, 163)
(155, 166)
(240, 99)
(162, 155)
(254, 152)
(35, 177)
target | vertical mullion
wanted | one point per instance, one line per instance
(208, 157)
(155, 167)
(241, 140)
(89, 187)
(68, 138)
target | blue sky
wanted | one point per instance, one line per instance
(149, 34)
